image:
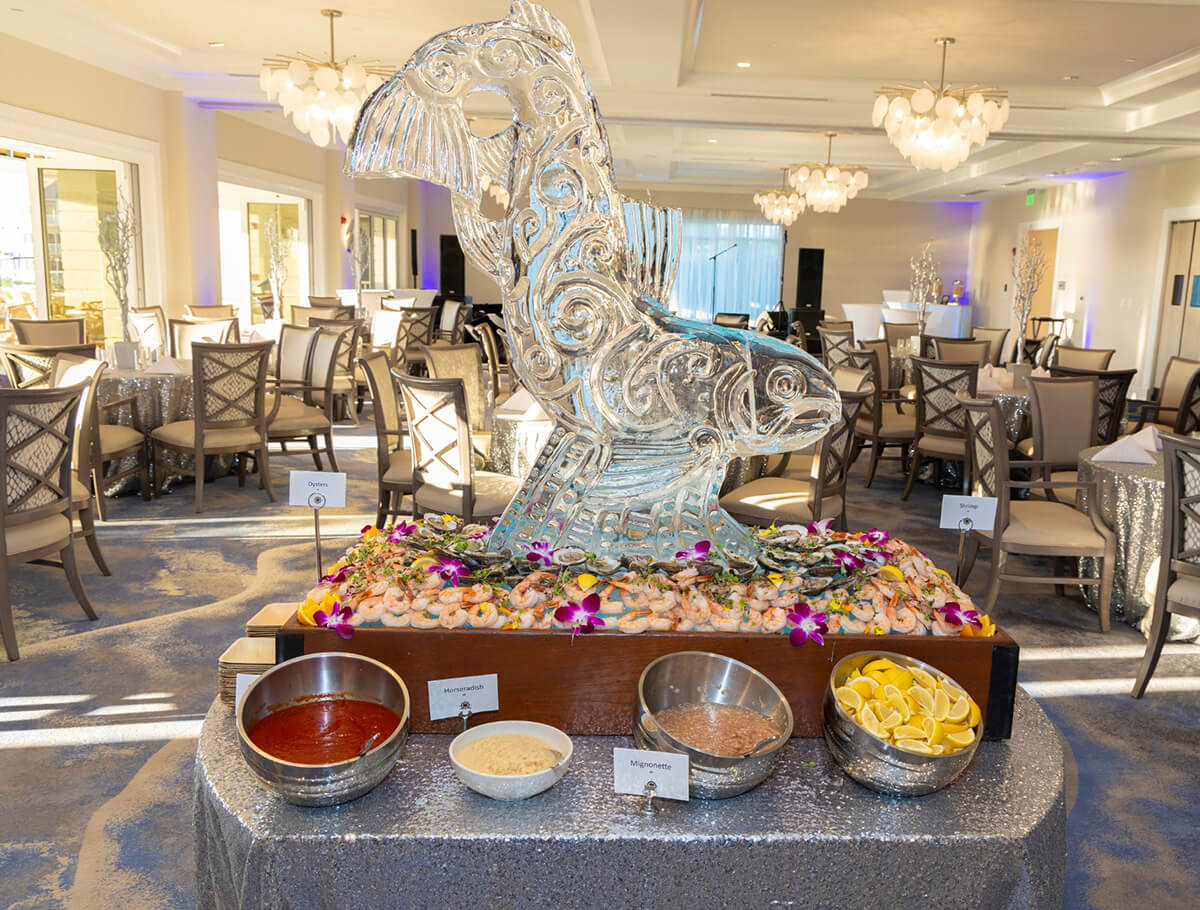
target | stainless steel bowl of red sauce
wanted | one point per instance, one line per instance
(302, 724)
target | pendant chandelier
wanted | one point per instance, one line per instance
(322, 97)
(827, 187)
(935, 128)
(780, 206)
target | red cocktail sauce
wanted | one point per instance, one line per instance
(322, 732)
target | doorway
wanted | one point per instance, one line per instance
(1179, 322)
(266, 263)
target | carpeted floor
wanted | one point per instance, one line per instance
(98, 720)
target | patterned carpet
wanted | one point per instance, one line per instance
(98, 720)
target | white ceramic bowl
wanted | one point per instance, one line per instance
(513, 786)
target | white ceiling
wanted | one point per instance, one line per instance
(682, 114)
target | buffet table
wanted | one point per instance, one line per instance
(808, 836)
(1131, 505)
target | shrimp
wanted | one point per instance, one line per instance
(424, 620)
(396, 601)
(459, 595)
(840, 622)
(696, 607)
(483, 615)
(453, 617)
(685, 625)
(941, 627)
(903, 621)
(751, 621)
(635, 622)
(665, 603)
(863, 611)
(662, 622)
(531, 590)
(431, 582)
(609, 607)
(686, 577)
(371, 608)
(774, 619)
(396, 620)
(519, 619)
(724, 619)
(879, 624)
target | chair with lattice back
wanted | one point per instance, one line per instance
(148, 327)
(185, 333)
(941, 432)
(882, 422)
(836, 345)
(1178, 588)
(1187, 419)
(465, 362)
(393, 461)
(29, 366)
(491, 358)
(416, 329)
(344, 378)
(229, 395)
(35, 490)
(304, 411)
(1113, 388)
(444, 478)
(1033, 527)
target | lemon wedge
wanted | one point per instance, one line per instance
(891, 720)
(952, 692)
(848, 698)
(306, 612)
(890, 692)
(586, 580)
(934, 732)
(959, 710)
(914, 745)
(923, 677)
(880, 663)
(941, 705)
(902, 706)
(922, 698)
(892, 572)
(908, 731)
(962, 740)
(901, 679)
(975, 716)
(870, 723)
(864, 686)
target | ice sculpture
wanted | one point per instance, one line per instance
(648, 408)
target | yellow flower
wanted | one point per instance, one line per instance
(370, 531)
(449, 519)
(586, 580)
(307, 611)
(775, 578)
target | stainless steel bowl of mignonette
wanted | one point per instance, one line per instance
(877, 764)
(325, 674)
(701, 676)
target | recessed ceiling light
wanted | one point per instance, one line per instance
(743, 65)
(712, 140)
(216, 44)
(1070, 77)
(1114, 159)
(1131, 59)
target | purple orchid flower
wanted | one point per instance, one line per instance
(877, 536)
(582, 616)
(541, 551)
(955, 614)
(335, 578)
(808, 626)
(402, 530)
(847, 560)
(698, 553)
(338, 619)
(819, 528)
(876, 555)
(451, 570)
(477, 535)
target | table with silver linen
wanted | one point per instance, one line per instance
(517, 441)
(807, 837)
(1131, 505)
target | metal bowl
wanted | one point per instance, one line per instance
(333, 674)
(700, 676)
(513, 786)
(879, 765)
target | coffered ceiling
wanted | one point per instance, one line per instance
(1096, 86)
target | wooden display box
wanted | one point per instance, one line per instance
(588, 685)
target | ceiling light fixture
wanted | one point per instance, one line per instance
(827, 187)
(936, 128)
(1070, 77)
(216, 44)
(780, 206)
(322, 97)
(712, 140)
(743, 65)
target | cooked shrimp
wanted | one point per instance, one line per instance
(751, 621)
(635, 621)
(396, 600)
(396, 620)
(662, 622)
(453, 617)
(664, 603)
(697, 608)
(724, 619)
(774, 619)
(424, 620)
(371, 608)
(483, 615)
(531, 590)
(840, 622)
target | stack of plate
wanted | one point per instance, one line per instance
(266, 622)
(246, 655)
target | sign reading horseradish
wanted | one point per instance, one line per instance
(636, 771)
(476, 694)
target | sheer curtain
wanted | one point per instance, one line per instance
(747, 276)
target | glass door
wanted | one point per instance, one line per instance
(1179, 323)
(77, 199)
(377, 251)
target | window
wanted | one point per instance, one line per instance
(378, 251)
(741, 257)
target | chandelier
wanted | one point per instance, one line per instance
(780, 206)
(827, 187)
(322, 97)
(936, 129)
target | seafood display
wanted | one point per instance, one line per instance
(436, 573)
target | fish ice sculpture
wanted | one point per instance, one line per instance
(648, 408)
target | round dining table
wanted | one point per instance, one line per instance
(1129, 498)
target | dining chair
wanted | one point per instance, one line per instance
(997, 340)
(732, 320)
(148, 327)
(397, 303)
(941, 431)
(1044, 354)
(187, 332)
(883, 353)
(928, 343)
(308, 412)
(956, 350)
(211, 311)
(509, 366)
(451, 321)
(850, 379)
(229, 395)
(444, 475)
(416, 329)
(895, 332)
(35, 491)
(49, 332)
(1032, 527)
(1178, 587)
(491, 359)
(837, 325)
(1113, 389)
(835, 345)
(1083, 358)
(393, 461)
(882, 422)
(1065, 416)
(1163, 410)
(344, 378)
(465, 362)
(77, 371)
(28, 366)
(791, 499)
(334, 301)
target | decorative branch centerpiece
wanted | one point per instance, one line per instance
(1029, 268)
(925, 270)
(279, 247)
(117, 236)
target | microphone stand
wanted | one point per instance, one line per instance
(713, 259)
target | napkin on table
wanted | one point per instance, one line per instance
(167, 365)
(1126, 450)
(1148, 438)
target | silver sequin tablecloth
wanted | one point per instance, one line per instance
(808, 837)
(517, 441)
(1131, 504)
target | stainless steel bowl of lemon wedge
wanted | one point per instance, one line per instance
(899, 725)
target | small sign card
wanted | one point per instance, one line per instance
(317, 489)
(980, 511)
(634, 768)
(446, 696)
(243, 683)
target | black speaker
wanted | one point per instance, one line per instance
(454, 268)
(810, 267)
(412, 254)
